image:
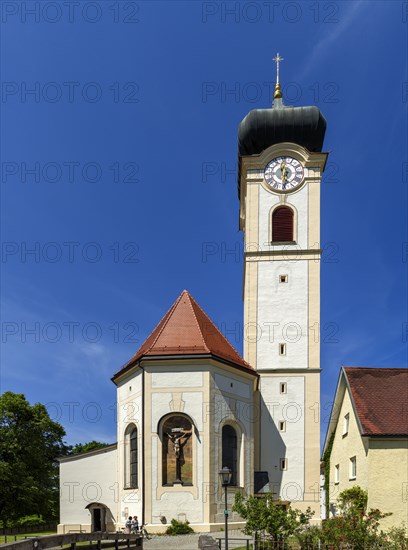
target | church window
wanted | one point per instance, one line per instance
(283, 463)
(131, 458)
(282, 224)
(282, 426)
(353, 467)
(283, 387)
(177, 450)
(230, 452)
(282, 349)
(283, 278)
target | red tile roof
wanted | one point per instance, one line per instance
(381, 399)
(187, 330)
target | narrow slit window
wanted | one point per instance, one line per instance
(283, 278)
(283, 387)
(337, 473)
(353, 467)
(346, 424)
(283, 463)
(282, 426)
(282, 349)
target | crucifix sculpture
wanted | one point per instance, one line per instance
(176, 437)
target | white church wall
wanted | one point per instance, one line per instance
(289, 443)
(282, 315)
(179, 389)
(233, 404)
(84, 480)
(129, 411)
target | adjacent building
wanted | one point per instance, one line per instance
(367, 439)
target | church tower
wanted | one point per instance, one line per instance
(280, 170)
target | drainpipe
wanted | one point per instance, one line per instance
(143, 446)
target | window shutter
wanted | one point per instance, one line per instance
(282, 224)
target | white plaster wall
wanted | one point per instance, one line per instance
(85, 480)
(234, 404)
(289, 407)
(299, 200)
(232, 385)
(129, 411)
(282, 315)
(176, 379)
(175, 501)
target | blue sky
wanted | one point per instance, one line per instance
(118, 156)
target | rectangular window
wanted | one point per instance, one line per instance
(337, 473)
(282, 349)
(283, 463)
(283, 387)
(353, 467)
(282, 426)
(346, 424)
(283, 278)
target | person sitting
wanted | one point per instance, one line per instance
(135, 525)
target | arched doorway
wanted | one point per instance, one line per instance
(98, 516)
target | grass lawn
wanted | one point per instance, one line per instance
(22, 536)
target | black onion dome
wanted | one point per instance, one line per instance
(262, 128)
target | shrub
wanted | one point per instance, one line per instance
(179, 528)
(30, 520)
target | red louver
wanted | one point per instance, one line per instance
(282, 224)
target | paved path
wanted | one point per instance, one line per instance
(183, 542)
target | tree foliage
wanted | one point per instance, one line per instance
(263, 516)
(30, 442)
(86, 447)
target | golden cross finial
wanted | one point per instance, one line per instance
(278, 93)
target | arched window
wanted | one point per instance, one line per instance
(130, 458)
(282, 224)
(177, 450)
(230, 451)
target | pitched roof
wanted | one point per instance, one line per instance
(380, 398)
(187, 330)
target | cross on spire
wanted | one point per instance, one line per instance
(277, 60)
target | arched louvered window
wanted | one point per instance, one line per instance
(282, 224)
(230, 452)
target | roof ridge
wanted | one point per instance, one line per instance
(166, 318)
(191, 300)
(218, 330)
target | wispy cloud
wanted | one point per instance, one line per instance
(351, 11)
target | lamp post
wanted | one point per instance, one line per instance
(225, 476)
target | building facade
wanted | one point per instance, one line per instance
(188, 403)
(367, 440)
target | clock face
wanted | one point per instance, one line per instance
(284, 173)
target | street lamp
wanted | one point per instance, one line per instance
(225, 477)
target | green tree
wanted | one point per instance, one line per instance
(354, 526)
(86, 447)
(264, 516)
(30, 442)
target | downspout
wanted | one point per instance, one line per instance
(143, 446)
